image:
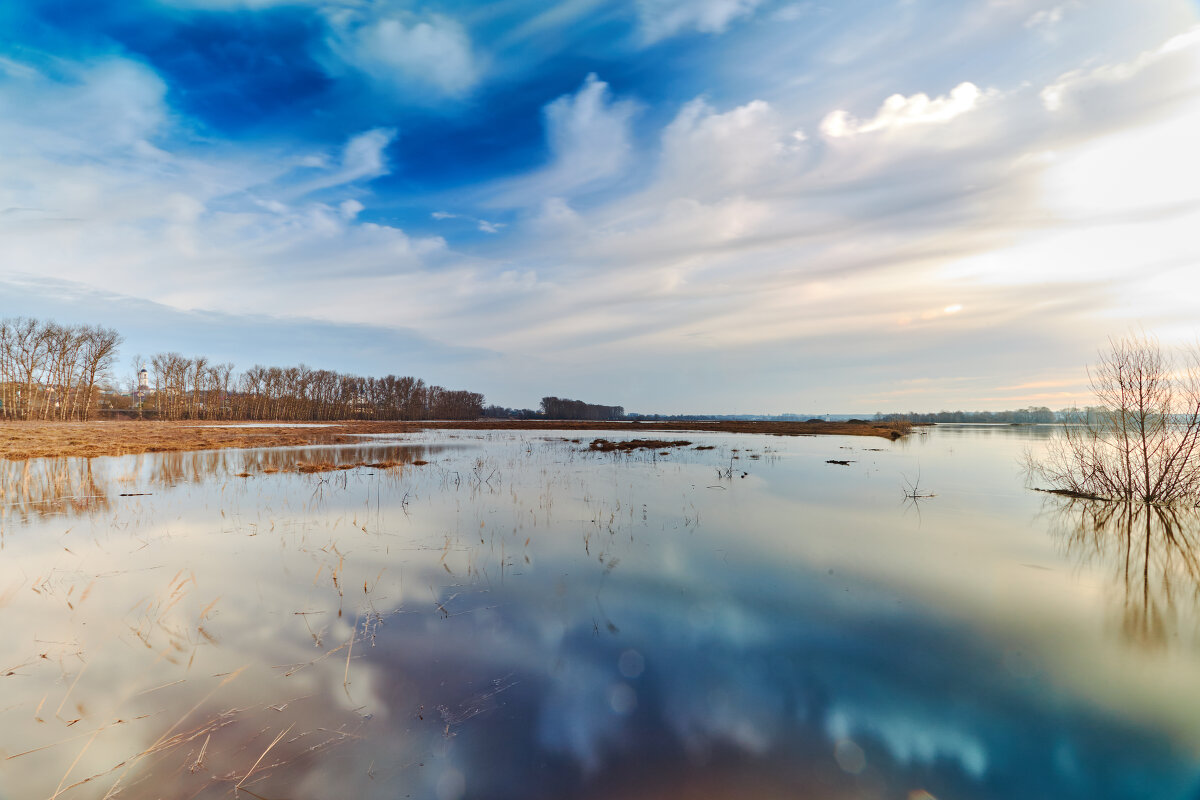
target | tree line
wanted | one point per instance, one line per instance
(192, 388)
(50, 371)
(561, 408)
(1032, 414)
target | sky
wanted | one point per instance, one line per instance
(678, 206)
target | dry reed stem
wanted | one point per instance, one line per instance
(157, 744)
(83, 735)
(246, 777)
(349, 652)
(78, 675)
(59, 789)
(199, 762)
(156, 688)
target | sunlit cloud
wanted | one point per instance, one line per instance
(899, 111)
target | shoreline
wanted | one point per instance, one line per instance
(20, 441)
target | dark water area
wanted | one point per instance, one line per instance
(519, 617)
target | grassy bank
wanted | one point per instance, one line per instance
(22, 440)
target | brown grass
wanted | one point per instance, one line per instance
(23, 440)
(309, 467)
(606, 446)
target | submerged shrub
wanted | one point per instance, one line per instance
(1143, 441)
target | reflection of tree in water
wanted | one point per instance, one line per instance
(43, 487)
(50, 486)
(1154, 553)
(270, 460)
(171, 468)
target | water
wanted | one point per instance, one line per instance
(522, 618)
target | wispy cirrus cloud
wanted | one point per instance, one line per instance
(589, 142)
(106, 195)
(660, 19)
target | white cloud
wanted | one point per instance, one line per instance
(1133, 171)
(748, 236)
(113, 103)
(406, 55)
(791, 12)
(732, 234)
(482, 225)
(588, 134)
(1048, 17)
(703, 150)
(229, 5)
(557, 217)
(182, 223)
(363, 157)
(663, 18)
(899, 112)
(1163, 73)
(15, 69)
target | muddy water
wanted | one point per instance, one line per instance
(522, 618)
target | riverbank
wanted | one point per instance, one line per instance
(23, 440)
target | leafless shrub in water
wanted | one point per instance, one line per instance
(1142, 444)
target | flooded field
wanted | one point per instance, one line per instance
(515, 615)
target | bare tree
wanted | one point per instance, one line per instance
(30, 348)
(99, 354)
(1143, 445)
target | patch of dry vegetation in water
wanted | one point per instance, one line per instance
(606, 446)
(24, 440)
(310, 467)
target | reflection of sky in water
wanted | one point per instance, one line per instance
(520, 618)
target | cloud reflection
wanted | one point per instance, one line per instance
(571, 630)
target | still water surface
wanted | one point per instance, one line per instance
(522, 618)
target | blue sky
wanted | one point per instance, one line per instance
(714, 205)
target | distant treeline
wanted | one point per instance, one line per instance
(55, 372)
(500, 412)
(1033, 414)
(561, 408)
(720, 417)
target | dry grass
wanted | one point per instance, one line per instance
(23, 440)
(309, 467)
(606, 446)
